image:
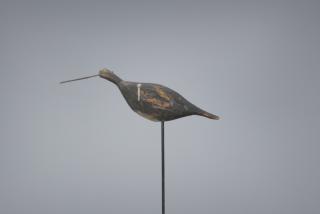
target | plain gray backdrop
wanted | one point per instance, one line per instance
(79, 149)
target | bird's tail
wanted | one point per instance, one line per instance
(208, 115)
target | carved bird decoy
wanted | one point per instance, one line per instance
(152, 101)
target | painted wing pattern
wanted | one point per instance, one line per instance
(156, 96)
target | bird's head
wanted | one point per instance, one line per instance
(109, 75)
(105, 73)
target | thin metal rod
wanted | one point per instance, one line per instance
(163, 167)
(82, 78)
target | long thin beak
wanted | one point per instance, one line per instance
(82, 78)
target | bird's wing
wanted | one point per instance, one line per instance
(157, 96)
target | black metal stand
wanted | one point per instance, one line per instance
(163, 168)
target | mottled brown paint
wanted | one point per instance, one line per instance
(157, 103)
(162, 93)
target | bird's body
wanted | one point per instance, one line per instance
(153, 101)
(158, 103)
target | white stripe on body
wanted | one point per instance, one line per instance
(138, 86)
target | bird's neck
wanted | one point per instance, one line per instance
(114, 78)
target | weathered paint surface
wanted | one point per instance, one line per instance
(152, 101)
(157, 102)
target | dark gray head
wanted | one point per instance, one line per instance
(109, 75)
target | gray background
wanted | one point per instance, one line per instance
(78, 148)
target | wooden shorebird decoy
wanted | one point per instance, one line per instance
(154, 102)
